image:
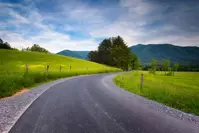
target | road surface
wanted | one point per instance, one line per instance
(93, 104)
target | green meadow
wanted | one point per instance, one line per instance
(14, 75)
(180, 91)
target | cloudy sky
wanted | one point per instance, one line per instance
(82, 24)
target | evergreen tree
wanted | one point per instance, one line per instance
(4, 45)
(114, 52)
(93, 56)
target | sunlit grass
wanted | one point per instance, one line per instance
(13, 75)
(180, 91)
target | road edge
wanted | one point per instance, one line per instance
(178, 114)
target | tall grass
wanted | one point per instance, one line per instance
(13, 75)
(179, 91)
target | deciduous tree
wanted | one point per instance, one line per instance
(175, 67)
(166, 64)
(113, 52)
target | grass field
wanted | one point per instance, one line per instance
(180, 91)
(13, 76)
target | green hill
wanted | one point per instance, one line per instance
(183, 55)
(13, 75)
(75, 54)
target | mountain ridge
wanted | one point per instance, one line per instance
(75, 54)
(186, 55)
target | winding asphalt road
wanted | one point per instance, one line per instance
(93, 104)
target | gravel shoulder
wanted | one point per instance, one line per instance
(187, 117)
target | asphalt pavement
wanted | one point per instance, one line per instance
(93, 104)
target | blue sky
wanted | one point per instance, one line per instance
(82, 24)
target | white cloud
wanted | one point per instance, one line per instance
(132, 20)
(16, 40)
(51, 40)
(46, 36)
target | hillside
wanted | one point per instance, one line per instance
(75, 54)
(183, 55)
(13, 75)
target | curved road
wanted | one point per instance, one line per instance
(93, 104)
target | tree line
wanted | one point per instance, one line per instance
(33, 48)
(4, 45)
(163, 66)
(115, 52)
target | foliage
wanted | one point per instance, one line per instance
(13, 76)
(36, 48)
(114, 52)
(134, 62)
(153, 66)
(175, 67)
(170, 72)
(15, 49)
(179, 91)
(166, 64)
(4, 45)
(93, 55)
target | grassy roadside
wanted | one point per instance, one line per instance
(179, 91)
(13, 75)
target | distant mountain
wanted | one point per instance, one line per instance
(75, 54)
(188, 55)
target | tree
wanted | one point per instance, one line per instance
(159, 67)
(134, 62)
(175, 67)
(121, 54)
(93, 56)
(166, 64)
(1, 41)
(36, 48)
(153, 66)
(104, 52)
(4, 45)
(113, 52)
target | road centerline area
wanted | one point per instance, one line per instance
(86, 104)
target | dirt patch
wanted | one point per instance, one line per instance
(21, 91)
(18, 93)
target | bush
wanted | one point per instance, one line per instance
(4, 45)
(36, 48)
(152, 71)
(170, 73)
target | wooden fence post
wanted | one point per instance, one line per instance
(70, 68)
(47, 68)
(60, 68)
(26, 68)
(141, 80)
